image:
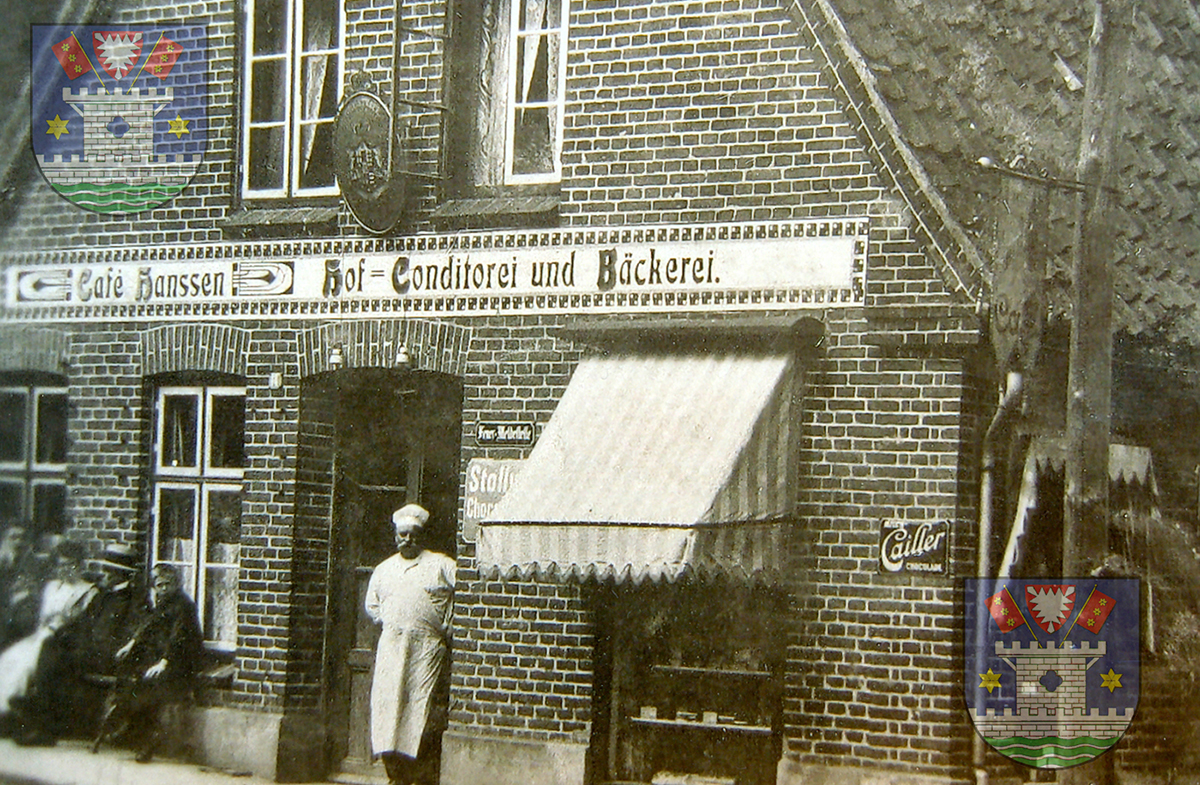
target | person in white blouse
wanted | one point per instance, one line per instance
(411, 596)
(63, 598)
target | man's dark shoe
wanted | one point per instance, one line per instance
(144, 756)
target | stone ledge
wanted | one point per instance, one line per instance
(469, 758)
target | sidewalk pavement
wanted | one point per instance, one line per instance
(72, 763)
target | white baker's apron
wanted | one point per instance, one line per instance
(408, 597)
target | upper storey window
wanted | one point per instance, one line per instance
(293, 82)
(507, 77)
(537, 78)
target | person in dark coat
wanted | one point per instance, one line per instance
(78, 664)
(157, 667)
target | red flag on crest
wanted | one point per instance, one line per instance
(72, 57)
(1095, 611)
(1005, 611)
(163, 58)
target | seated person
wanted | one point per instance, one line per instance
(157, 668)
(78, 663)
(64, 596)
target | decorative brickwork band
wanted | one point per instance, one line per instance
(814, 264)
(32, 349)
(429, 345)
(195, 347)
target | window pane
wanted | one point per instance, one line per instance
(179, 430)
(220, 604)
(318, 87)
(12, 426)
(266, 158)
(52, 428)
(531, 84)
(270, 26)
(533, 151)
(50, 507)
(318, 156)
(12, 500)
(224, 526)
(269, 91)
(227, 448)
(176, 525)
(534, 14)
(320, 25)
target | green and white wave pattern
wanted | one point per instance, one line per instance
(1052, 752)
(119, 198)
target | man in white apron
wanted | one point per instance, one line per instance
(411, 595)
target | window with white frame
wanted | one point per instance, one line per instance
(506, 71)
(537, 80)
(293, 80)
(33, 455)
(198, 467)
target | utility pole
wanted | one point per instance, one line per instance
(1089, 382)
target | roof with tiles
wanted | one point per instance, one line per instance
(964, 79)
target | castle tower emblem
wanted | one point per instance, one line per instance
(1053, 681)
(119, 117)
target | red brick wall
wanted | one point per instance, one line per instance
(875, 658)
(703, 111)
(523, 649)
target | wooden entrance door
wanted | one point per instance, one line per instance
(396, 441)
(368, 509)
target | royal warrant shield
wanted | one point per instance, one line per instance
(1052, 666)
(119, 112)
(367, 160)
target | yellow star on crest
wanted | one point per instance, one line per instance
(989, 680)
(58, 127)
(179, 127)
(1111, 680)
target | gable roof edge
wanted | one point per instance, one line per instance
(969, 281)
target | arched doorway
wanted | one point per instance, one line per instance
(390, 437)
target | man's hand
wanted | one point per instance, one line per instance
(156, 669)
(123, 652)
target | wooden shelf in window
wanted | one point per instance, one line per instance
(697, 671)
(760, 730)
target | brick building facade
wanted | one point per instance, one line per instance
(360, 367)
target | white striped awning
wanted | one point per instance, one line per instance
(1127, 464)
(654, 466)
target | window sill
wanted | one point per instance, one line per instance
(279, 221)
(497, 213)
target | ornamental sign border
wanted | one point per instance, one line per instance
(779, 265)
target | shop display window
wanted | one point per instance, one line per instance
(200, 457)
(33, 456)
(692, 675)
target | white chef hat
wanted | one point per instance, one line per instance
(411, 515)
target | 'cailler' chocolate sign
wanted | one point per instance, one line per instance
(913, 546)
